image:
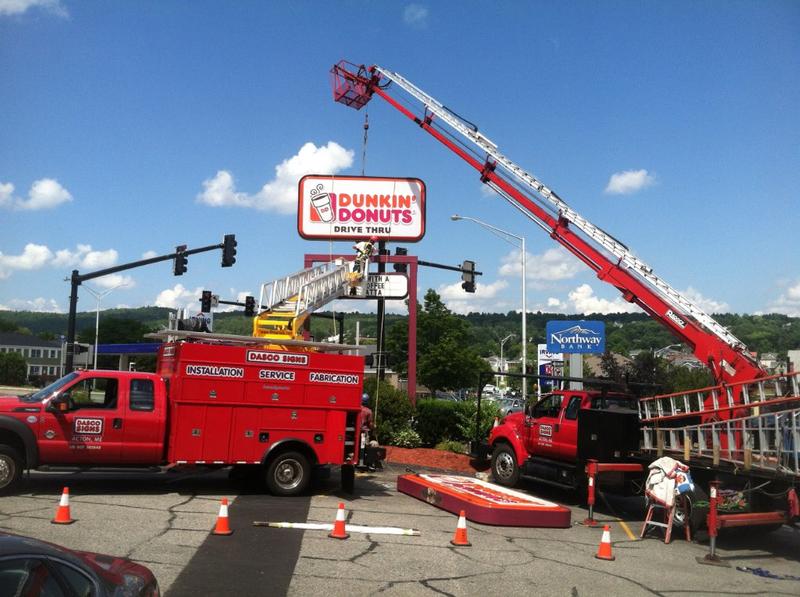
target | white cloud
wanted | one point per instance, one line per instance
(583, 300)
(40, 305)
(279, 194)
(85, 258)
(179, 297)
(486, 298)
(488, 191)
(240, 296)
(554, 303)
(45, 193)
(6, 192)
(416, 16)
(114, 281)
(706, 304)
(149, 254)
(18, 7)
(33, 257)
(629, 181)
(552, 265)
(788, 302)
(38, 256)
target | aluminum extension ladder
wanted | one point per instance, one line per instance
(749, 424)
(305, 290)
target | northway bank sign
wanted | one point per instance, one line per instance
(576, 336)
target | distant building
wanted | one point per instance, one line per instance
(794, 360)
(43, 357)
(769, 361)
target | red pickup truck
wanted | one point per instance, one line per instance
(266, 410)
(551, 440)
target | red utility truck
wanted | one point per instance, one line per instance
(252, 406)
(741, 431)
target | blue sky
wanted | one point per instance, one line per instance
(674, 126)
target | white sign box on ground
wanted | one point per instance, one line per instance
(358, 207)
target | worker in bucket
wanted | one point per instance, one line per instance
(367, 427)
(364, 251)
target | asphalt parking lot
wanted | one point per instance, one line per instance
(163, 521)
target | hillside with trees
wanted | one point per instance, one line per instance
(482, 332)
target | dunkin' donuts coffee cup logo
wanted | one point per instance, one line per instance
(322, 205)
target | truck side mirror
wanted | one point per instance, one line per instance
(60, 403)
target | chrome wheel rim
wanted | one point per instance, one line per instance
(6, 471)
(504, 466)
(289, 473)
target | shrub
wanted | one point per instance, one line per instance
(467, 413)
(394, 412)
(437, 421)
(452, 446)
(405, 438)
(13, 368)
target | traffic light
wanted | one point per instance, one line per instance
(249, 306)
(205, 302)
(401, 267)
(468, 275)
(181, 261)
(229, 250)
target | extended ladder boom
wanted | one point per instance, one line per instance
(608, 242)
(286, 303)
(713, 343)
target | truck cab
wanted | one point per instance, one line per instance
(104, 418)
(550, 439)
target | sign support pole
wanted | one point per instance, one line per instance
(381, 314)
(575, 370)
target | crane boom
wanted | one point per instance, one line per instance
(726, 355)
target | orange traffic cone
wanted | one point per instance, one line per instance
(222, 527)
(339, 531)
(604, 551)
(62, 512)
(460, 536)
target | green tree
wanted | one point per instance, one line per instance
(611, 368)
(13, 368)
(445, 357)
(391, 408)
(646, 368)
(116, 330)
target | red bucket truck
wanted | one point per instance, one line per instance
(215, 404)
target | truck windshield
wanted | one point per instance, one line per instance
(47, 391)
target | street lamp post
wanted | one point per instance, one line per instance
(505, 235)
(99, 296)
(502, 359)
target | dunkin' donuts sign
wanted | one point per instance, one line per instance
(357, 207)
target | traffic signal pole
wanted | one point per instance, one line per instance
(76, 279)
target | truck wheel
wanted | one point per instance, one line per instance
(288, 473)
(11, 466)
(504, 465)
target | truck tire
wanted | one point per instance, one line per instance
(11, 465)
(288, 474)
(505, 469)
